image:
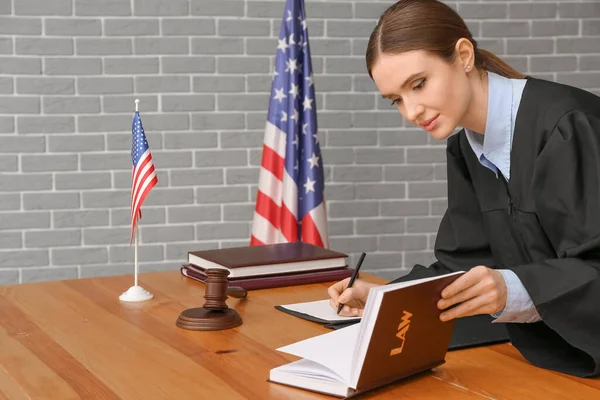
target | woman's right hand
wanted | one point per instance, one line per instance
(353, 298)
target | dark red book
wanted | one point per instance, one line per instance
(273, 259)
(271, 281)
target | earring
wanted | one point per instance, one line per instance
(468, 67)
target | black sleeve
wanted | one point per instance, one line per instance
(461, 241)
(566, 290)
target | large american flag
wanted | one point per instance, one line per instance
(290, 205)
(143, 175)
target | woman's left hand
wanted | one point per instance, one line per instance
(481, 290)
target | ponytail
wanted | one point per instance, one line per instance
(492, 63)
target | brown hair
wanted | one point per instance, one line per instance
(432, 26)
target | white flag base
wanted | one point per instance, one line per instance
(136, 293)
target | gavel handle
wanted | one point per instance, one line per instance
(237, 292)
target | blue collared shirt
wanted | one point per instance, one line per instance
(493, 151)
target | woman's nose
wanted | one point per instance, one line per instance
(413, 111)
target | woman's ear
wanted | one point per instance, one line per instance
(465, 54)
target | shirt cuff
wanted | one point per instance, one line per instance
(519, 307)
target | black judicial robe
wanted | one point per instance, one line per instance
(544, 224)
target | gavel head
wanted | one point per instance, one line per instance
(216, 289)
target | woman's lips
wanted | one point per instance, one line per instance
(430, 123)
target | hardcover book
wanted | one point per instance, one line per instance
(272, 281)
(400, 334)
(269, 259)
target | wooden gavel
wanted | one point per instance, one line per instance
(215, 314)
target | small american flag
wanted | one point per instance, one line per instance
(290, 204)
(143, 174)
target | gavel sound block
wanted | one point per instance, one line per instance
(215, 314)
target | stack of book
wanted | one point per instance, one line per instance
(261, 267)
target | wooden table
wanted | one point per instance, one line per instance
(76, 340)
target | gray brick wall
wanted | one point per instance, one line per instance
(70, 69)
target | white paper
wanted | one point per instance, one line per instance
(333, 350)
(319, 309)
(310, 369)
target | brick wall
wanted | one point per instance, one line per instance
(70, 69)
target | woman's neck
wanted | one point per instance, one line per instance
(476, 116)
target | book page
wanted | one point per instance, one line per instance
(400, 285)
(306, 374)
(312, 370)
(318, 309)
(333, 350)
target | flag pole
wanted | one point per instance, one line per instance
(136, 292)
(136, 255)
(137, 103)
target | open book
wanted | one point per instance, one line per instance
(400, 334)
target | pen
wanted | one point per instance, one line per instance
(353, 277)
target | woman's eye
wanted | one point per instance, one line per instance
(420, 84)
(396, 102)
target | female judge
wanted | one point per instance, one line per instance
(523, 213)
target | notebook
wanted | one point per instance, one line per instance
(400, 334)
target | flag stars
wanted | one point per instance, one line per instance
(295, 90)
(284, 116)
(295, 142)
(292, 41)
(316, 138)
(310, 80)
(302, 22)
(304, 129)
(314, 161)
(296, 115)
(291, 65)
(282, 45)
(309, 186)
(307, 103)
(279, 95)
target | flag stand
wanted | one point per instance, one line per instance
(136, 292)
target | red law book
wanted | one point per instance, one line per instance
(273, 259)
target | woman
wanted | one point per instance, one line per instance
(523, 212)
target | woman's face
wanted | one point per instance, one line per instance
(428, 91)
